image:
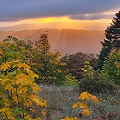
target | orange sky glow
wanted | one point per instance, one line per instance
(59, 14)
(63, 22)
(66, 22)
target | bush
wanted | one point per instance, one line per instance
(70, 80)
(18, 92)
(111, 67)
(96, 86)
(94, 82)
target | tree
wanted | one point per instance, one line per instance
(111, 67)
(18, 90)
(112, 40)
(46, 63)
(75, 63)
(36, 54)
(11, 49)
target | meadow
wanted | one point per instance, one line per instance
(60, 100)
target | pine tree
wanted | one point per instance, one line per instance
(112, 40)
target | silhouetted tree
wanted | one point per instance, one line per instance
(112, 40)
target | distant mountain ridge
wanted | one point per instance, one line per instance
(67, 41)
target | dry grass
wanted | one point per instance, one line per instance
(60, 100)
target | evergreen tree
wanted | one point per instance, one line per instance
(112, 40)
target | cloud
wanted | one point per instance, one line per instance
(92, 16)
(16, 10)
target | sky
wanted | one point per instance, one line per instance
(73, 14)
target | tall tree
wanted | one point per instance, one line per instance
(112, 40)
(46, 63)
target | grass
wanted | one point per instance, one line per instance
(61, 99)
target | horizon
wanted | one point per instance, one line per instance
(12, 29)
(72, 24)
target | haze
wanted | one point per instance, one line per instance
(67, 41)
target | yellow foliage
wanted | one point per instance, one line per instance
(80, 104)
(15, 99)
(5, 66)
(1, 51)
(19, 90)
(88, 96)
(8, 86)
(23, 65)
(59, 71)
(27, 102)
(86, 112)
(42, 103)
(43, 113)
(8, 112)
(83, 97)
(83, 105)
(75, 105)
(95, 99)
(27, 117)
(35, 88)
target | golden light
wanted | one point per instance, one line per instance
(66, 22)
(48, 20)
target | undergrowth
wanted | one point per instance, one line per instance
(61, 99)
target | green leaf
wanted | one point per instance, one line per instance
(15, 39)
(17, 110)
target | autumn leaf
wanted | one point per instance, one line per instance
(5, 66)
(86, 112)
(85, 95)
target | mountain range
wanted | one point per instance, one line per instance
(67, 41)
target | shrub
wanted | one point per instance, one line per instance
(97, 86)
(94, 82)
(111, 67)
(18, 92)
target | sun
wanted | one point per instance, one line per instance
(48, 20)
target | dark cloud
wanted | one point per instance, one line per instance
(14, 10)
(93, 16)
